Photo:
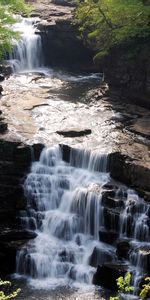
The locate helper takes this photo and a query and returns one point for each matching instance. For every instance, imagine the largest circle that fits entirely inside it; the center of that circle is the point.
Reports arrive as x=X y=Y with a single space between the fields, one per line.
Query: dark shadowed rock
x=2 y=77
x=15 y=160
x=74 y=132
x=1 y=89
x=71 y=3
x=107 y=274
x=37 y=149
x=111 y=219
x=66 y=150
x=108 y=237
x=99 y=257
x=5 y=70
x=3 y=127
x=123 y=248
x=15 y=235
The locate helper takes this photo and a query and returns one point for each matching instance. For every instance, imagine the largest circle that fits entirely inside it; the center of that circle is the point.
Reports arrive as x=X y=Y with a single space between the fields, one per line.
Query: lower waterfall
x=74 y=211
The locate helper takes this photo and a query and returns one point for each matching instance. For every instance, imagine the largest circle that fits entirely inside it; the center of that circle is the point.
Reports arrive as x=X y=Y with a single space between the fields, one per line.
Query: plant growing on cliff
x=7 y=9
x=105 y=24
x=124 y=286
x=145 y=292
x=3 y=296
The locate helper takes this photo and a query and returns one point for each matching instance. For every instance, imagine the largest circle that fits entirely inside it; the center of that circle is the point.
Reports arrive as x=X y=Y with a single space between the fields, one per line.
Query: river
x=66 y=204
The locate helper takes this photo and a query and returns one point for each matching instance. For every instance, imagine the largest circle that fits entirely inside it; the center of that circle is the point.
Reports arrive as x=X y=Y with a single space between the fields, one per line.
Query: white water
x=27 y=53
x=67 y=210
x=64 y=208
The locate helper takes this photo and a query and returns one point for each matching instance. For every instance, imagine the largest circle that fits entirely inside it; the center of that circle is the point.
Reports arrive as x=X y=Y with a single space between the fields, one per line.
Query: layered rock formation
x=15 y=160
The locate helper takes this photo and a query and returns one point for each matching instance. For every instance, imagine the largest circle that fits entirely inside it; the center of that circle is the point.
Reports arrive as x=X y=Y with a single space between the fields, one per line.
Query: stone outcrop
x=129 y=171
x=74 y=132
x=61 y=45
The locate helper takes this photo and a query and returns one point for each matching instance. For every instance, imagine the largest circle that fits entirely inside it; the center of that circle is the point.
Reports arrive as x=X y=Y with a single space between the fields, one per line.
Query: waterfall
x=27 y=52
x=80 y=219
x=64 y=204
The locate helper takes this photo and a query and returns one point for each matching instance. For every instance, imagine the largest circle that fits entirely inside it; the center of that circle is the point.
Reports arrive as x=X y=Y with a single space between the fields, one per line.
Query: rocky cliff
x=15 y=160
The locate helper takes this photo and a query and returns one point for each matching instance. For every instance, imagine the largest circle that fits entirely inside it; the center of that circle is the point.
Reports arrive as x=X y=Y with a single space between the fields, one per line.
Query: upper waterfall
x=27 y=52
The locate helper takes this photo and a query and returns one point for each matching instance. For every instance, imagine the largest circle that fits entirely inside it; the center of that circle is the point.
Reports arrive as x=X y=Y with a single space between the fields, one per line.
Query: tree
x=7 y=9
x=105 y=24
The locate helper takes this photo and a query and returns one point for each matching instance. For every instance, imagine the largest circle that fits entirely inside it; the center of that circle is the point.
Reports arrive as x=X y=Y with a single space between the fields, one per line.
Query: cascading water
x=64 y=209
x=27 y=52
x=76 y=212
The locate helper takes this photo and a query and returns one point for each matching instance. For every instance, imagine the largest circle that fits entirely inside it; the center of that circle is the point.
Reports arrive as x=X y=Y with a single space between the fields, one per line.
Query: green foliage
x=3 y=296
x=7 y=9
x=124 y=286
x=145 y=292
x=105 y=24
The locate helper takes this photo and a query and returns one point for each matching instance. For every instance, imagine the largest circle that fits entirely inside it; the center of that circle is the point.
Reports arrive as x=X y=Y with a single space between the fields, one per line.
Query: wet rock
x=123 y=248
x=74 y=132
x=107 y=274
x=108 y=237
x=99 y=257
x=111 y=200
x=3 y=127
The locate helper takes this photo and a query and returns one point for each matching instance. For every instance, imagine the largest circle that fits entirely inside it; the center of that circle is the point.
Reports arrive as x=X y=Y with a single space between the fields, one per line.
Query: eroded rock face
x=61 y=45
x=129 y=171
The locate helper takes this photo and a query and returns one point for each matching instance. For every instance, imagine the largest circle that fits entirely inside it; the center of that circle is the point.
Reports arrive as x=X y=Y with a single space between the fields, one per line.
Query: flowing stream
x=74 y=207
